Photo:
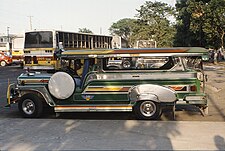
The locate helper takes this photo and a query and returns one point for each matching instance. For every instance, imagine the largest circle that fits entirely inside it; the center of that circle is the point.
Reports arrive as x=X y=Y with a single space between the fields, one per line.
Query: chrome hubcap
x=3 y=63
x=126 y=64
x=148 y=108
x=28 y=106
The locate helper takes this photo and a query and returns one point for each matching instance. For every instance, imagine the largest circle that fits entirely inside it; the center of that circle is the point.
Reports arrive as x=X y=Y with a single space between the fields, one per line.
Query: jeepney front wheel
x=147 y=110
x=30 y=106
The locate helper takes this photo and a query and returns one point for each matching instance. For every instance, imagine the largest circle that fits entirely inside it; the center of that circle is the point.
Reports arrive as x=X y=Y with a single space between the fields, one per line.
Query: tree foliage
x=156 y=16
x=151 y=23
x=123 y=27
x=200 y=23
x=84 y=30
x=214 y=23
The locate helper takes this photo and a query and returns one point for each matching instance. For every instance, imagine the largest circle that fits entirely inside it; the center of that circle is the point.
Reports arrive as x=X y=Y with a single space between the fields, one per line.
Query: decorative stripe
x=35 y=81
x=92 y=108
x=107 y=89
x=125 y=89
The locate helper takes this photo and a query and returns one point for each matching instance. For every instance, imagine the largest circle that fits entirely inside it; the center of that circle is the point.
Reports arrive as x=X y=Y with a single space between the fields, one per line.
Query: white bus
x=40 y=46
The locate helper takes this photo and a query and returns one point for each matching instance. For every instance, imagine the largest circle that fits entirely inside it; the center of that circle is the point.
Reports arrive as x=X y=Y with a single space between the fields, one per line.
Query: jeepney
x=142 y=81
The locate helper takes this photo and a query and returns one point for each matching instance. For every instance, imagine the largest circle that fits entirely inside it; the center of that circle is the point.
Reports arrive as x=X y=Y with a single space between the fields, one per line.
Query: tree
x=123 y=28
x=156 y=16
x=152 y=23
x=184 y=36
x=85 y=30
x=200 y=23
x=214 y=25
x=197 y=19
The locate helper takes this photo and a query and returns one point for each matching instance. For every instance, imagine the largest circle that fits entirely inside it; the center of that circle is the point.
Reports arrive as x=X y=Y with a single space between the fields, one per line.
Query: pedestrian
x=219 y=56
x=212 y=56
x=215 y=57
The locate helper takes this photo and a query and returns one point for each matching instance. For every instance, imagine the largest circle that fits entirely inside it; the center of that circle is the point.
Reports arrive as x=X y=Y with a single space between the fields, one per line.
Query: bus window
x=42 y=39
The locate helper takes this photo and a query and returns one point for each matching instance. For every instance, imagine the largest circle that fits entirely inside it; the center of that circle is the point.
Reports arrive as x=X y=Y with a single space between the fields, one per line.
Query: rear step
x=80 y=108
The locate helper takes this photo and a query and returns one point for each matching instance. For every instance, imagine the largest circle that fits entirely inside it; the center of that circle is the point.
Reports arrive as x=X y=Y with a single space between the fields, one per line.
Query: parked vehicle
x=17 y=50
x=5 y=59
x=40 y=46
x=100 y=81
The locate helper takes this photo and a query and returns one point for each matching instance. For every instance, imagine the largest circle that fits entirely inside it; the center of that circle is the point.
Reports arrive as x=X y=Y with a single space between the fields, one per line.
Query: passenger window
x=139 y=63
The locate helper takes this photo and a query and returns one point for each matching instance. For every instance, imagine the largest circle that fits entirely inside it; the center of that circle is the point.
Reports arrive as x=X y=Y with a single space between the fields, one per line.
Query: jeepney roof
x=129 y=52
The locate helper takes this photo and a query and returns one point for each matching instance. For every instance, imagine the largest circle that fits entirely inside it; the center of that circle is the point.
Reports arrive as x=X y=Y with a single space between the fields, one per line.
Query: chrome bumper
x=12 y=94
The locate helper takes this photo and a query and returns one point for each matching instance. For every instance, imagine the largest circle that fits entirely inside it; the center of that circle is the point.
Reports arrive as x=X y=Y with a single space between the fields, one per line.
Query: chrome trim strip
x=144 y=76
x=92 y=108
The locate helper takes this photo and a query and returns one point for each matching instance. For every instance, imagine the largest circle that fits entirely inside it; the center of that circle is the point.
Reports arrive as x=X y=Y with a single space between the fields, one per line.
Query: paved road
x=115 y=130
x=67 y=134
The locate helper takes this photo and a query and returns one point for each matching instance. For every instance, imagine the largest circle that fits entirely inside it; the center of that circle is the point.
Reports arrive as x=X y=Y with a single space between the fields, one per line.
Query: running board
x=127 y=108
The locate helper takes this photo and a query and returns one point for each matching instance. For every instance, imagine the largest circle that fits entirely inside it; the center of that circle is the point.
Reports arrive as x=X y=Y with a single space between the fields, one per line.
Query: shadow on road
x=67 y=134
x=219 y=141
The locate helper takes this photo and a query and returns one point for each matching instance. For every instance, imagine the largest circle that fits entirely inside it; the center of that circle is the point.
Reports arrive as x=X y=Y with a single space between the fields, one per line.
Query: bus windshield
x=43 y=39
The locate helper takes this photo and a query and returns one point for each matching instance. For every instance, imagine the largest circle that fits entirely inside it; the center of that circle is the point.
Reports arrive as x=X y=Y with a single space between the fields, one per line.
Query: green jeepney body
x=117 y=79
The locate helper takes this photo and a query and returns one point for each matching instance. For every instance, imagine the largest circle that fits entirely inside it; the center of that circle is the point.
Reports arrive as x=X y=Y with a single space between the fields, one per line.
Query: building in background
x=6 y=43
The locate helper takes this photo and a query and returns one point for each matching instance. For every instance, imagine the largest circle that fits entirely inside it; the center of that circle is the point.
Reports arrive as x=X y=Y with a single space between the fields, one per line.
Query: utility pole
x=8 y=47
x=30 y=21
x=100 y=30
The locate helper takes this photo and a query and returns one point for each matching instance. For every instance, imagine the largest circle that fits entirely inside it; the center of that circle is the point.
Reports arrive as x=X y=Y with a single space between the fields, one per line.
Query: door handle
x=136 y=76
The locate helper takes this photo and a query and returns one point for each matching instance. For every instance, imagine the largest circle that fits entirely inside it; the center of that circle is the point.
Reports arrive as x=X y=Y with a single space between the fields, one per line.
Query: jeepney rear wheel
x=147 y=110
x=30 y=106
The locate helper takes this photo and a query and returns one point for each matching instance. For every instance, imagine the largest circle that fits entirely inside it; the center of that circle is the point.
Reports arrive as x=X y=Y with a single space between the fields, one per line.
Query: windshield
x=193 y=63
x=42 y=39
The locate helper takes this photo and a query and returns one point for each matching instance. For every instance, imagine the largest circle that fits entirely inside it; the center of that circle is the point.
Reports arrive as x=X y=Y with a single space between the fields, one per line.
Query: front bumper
x=12 y=94
x=194 y=99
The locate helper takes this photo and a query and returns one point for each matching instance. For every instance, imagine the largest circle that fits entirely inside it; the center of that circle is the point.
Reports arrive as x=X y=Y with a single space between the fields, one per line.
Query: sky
x=68 y=15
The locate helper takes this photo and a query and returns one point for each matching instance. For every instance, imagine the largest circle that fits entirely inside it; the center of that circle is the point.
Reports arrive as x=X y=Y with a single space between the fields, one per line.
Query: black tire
x=30 y=105
x=147 y=110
